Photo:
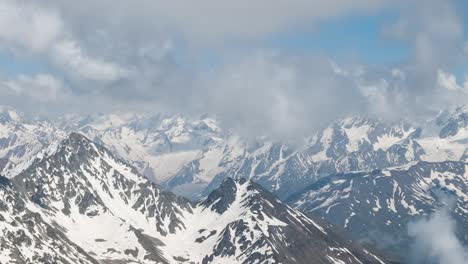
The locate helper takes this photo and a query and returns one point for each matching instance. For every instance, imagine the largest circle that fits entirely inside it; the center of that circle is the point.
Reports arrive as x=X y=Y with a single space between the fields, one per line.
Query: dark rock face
x=377 y=206
x=220 y=199
x=3 y=163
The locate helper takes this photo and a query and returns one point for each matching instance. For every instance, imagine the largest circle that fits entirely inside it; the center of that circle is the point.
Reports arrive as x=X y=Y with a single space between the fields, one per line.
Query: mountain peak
x=76 y=138
x=75 y=147
x=221 y=198
x=249 y=218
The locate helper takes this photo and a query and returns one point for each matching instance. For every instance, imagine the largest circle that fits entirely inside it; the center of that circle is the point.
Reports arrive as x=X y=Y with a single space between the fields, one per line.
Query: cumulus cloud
x=27 y=28
x=69 y=56
x=449 y=81
x=435 y=240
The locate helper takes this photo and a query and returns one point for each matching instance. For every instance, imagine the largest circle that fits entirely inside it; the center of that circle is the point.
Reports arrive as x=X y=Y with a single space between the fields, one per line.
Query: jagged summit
x=77 y=142
x=220 y=199
x=76 y=138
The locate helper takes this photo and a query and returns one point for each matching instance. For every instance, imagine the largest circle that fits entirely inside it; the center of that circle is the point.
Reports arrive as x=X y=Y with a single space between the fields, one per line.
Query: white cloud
x=434 y=30
x=67 y=54
x=41 y=87
x=449 y=81
x=435 y=240
x=398 y=73
x=283 y=97
x=24 y=27
x=146 y=52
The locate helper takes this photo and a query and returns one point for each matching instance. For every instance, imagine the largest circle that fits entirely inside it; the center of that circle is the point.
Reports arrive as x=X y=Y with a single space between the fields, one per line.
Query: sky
x=282 y=68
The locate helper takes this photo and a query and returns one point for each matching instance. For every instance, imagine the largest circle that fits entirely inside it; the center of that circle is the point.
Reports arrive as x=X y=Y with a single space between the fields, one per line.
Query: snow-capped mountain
x=349 y=145
x=158 y=145
x=191 y=156
x=161 y=146
x=446 y=136
x=79 y=203
x=377 y=206
x=99 y=201
x=20 y=139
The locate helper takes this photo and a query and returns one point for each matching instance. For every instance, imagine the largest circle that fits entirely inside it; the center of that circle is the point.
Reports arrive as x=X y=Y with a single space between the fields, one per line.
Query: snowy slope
x=450 y=140
x=26 y=238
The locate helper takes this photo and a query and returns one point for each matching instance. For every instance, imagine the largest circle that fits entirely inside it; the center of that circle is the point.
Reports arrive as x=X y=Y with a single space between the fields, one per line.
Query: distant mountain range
x=192 y=156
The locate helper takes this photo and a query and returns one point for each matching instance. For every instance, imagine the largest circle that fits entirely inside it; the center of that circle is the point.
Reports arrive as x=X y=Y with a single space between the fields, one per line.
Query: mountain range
x=78 y=203
x=191 y=156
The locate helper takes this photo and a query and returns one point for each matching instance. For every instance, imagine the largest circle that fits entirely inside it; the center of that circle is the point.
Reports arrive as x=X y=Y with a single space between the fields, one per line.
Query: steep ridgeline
x=377 y=206
x=77 y=203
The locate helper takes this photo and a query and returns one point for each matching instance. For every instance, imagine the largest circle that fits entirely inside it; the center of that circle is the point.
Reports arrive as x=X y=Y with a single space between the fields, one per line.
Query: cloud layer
x=144 y=55
x=435 y=241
